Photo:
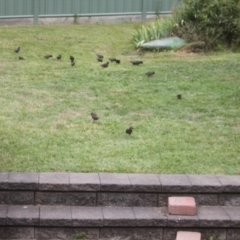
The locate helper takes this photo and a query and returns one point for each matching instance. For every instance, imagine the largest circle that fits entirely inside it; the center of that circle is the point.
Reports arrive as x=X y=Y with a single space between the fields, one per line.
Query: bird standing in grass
x=17 y=50
x=59 y=57
x=99 y=56
x=48 y=56
x=129 y=130
x=105 y=65
x=71 y=58
x=136 y=62
x=99 y=59
x=112 y=59
x=117 y=61
x=149 y=74
x=179 y=96
x=95 y=117
x=21 y=58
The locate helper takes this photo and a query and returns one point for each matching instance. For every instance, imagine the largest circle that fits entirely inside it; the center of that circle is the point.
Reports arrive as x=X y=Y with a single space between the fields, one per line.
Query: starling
x=47 y=56
x=95 y=117
x=105 y=65
x=117 y=61
x=136 y=62
x=112 y=59
x=17 y=50
x=129 y=130
x=59 y=57
x=71 y=58
x=149 y=74
x=99 y=55
x=21 y=58
x=72 y=63
x=100 y=59
x=179 y=96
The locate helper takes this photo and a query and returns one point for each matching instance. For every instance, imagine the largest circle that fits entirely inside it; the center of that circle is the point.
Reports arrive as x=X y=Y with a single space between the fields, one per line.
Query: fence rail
x=66 y=8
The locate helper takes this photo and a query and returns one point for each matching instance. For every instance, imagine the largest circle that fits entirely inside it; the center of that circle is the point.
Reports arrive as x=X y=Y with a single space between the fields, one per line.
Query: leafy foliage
x=161 y=28
x=216 y=22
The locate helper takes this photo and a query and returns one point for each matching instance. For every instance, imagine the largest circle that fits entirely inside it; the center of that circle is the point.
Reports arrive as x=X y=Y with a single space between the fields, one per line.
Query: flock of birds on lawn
x=100 y=57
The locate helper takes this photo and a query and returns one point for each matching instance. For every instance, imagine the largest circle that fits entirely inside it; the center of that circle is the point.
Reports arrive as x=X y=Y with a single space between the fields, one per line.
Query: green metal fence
x=65 y=8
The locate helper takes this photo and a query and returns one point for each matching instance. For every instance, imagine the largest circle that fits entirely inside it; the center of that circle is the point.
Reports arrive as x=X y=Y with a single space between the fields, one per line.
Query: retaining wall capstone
x=105 y=206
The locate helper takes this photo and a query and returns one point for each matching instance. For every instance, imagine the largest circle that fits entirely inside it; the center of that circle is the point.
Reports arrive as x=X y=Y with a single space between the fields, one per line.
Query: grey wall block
x=115 y=182
x=84 y=182
x=17 y=197
x=23 y=215
x=205 y=183
x=175 y=183
x=131 y=234
x=50 y=233
x=55 y=216
x=127 y=199
x=116 y=216
x=4 y=180
x=3 y=215
x=87 y=216
x=17 y=233
x=54 y=181
x=23 y=181
x=145 y=182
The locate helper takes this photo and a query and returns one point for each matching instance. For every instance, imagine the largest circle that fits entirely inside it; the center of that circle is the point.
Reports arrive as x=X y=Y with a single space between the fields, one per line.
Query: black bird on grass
x=17 y=50
x=149 y=74
x=99 y=55
x=129 y=130
x=95 y=117
x=99 y=59
x=21 y=58
x=59 y=57
x=112 y=59
x=71 y=58
x=179 y=96
x=136 y=62
x=117 y=61
x=105 y=65
x=48 y=56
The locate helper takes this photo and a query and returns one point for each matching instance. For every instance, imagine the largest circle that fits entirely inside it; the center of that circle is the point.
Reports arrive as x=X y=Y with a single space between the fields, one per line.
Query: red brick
x=188 y=236
x=182 y=206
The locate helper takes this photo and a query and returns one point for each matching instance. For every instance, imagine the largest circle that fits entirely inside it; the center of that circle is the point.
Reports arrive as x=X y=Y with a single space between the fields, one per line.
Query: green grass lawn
x=45 y=122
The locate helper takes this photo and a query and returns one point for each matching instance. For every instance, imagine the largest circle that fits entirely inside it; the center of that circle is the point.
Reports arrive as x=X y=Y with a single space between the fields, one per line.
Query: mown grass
x=45 y=122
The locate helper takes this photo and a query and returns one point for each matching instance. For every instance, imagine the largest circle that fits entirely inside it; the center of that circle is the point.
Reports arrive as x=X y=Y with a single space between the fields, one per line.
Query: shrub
x=216 y=22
